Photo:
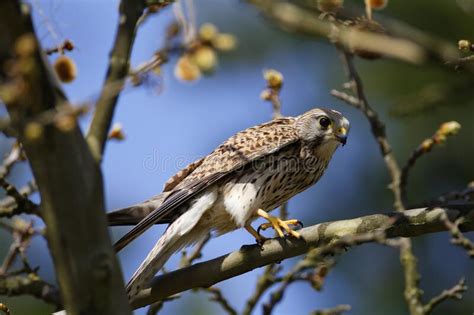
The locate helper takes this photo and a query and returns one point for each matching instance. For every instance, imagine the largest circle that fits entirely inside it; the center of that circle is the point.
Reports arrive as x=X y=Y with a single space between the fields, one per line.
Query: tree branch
x=291 y=17
x=31 y=285
x=453 y=293
x=408 y=224
x=439 y=137
x=69 y=179
x=337 y=310
x=412 y=291
x=378 y=128
x=457 y=237
x=130 y=13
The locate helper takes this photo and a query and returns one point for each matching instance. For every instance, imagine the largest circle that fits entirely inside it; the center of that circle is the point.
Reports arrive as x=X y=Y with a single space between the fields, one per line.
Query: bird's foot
x=279 y=225
x=260 y=239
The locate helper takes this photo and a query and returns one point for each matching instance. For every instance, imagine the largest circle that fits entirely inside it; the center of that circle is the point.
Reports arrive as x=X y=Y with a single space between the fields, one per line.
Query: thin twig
x=315 y=260
x=216 y=296
x=12 y=157
x=349 y=99
x=23 y=232
x=264 y=282
x=467 y=194
x=187 y=260
x=66 y=45
x=459 y=238
x=460 y=62
x=23 y=203
x=439 y=137
x=157 y=306
x=26 y=191
x=378 y=128
x=454 y=293
x=160 y=57
x=337 y=310
x=412 y=290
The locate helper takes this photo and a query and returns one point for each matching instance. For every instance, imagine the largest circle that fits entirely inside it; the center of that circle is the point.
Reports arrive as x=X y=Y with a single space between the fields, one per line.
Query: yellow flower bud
x=117 y=132
x=65 y=69
x=186 y=69
x=449 y=128
x=224 y=42
x=205 y=58
x=208 y=31
x=464 y=45
x=274 y=78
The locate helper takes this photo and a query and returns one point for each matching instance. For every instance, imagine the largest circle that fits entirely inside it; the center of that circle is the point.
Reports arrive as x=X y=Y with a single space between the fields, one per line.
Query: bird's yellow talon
x=260 y=239
x=278 y=225
x=264 y=226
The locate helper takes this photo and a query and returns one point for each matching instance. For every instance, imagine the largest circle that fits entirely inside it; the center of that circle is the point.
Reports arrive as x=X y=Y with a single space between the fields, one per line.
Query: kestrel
x=251 y=173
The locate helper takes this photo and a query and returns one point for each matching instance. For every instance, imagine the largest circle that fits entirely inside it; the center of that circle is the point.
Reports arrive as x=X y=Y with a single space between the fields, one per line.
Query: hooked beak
x=341 y=135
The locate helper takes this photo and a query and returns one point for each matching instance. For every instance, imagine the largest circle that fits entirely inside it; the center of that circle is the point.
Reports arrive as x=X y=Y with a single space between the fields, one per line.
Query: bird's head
x=323 y=126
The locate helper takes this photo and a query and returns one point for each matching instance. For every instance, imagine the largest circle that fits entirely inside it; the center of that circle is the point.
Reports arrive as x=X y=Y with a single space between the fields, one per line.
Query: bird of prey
x=251 y=173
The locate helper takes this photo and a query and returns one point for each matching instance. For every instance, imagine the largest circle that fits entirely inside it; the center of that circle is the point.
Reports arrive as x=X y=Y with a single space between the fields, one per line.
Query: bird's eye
x=324 y=122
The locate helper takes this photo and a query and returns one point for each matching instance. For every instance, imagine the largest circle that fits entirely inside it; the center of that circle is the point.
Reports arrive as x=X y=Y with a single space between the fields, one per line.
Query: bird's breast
x=264 y=184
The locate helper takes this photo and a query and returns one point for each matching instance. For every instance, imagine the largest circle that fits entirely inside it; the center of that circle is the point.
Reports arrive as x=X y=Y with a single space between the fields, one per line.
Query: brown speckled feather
x=243 y=147
x=239 y=150
x=174 y=180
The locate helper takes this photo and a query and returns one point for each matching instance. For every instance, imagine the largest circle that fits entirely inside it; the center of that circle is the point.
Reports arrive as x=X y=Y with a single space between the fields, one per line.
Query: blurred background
x=169 y=123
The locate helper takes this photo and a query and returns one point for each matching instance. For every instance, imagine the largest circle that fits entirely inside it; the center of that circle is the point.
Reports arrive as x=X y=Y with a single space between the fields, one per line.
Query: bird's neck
x=322 y=152
x=326 y=150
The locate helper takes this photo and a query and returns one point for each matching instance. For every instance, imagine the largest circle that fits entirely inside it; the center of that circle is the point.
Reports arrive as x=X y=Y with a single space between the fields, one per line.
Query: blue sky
x=186 y=121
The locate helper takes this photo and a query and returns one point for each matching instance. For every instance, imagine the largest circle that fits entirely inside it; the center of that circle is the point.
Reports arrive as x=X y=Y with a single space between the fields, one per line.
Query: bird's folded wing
x=171 y=203
x=237 y=152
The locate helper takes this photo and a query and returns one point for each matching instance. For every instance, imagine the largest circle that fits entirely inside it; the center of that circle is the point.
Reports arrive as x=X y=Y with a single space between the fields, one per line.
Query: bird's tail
x=157 y=258
x=134 y=214
x=185 y=230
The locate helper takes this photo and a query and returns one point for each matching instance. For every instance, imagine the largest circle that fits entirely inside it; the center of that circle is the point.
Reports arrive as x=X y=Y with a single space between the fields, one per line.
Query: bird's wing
x=235 y=153
x=134 y=214
x=176 y=179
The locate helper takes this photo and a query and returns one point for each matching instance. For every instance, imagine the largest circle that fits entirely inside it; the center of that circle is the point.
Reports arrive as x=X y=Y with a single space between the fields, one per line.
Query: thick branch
x=293 y=18
x=408 y=224
x=69 y=180
x=130 y=13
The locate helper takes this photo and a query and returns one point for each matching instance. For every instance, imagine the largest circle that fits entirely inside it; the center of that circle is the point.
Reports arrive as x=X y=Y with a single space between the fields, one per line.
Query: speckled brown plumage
x=258 y=168
x=242 y=148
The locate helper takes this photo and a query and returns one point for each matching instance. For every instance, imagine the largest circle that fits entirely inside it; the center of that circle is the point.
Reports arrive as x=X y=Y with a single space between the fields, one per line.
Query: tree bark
x=410 y=223
x=68 y=177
